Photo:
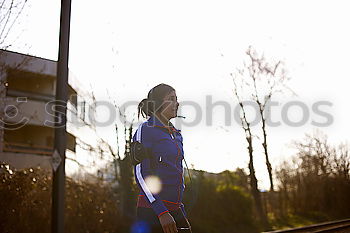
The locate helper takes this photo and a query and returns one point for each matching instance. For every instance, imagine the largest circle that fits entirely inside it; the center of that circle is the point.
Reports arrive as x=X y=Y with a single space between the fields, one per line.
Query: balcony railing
x=27 y=148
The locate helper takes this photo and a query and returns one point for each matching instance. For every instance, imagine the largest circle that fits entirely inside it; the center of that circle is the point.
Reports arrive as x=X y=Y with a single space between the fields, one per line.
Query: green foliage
x=219 y=206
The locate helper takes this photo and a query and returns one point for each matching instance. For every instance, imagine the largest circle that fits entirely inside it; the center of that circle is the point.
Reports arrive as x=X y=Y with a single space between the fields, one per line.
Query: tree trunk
x=254 y=187
x=264 y=144
x=126 y=180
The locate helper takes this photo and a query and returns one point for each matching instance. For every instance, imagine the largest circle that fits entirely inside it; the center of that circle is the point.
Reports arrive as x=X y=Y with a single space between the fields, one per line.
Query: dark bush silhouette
x=316 y=184
x=26 y=203
x=219 y=205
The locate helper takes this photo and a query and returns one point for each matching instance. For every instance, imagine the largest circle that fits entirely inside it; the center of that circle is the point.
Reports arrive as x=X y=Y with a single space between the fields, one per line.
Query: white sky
x=127 y=47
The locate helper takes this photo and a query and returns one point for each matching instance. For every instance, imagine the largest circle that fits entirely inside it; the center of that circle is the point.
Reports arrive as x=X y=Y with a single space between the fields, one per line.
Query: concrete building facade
x=27 y=92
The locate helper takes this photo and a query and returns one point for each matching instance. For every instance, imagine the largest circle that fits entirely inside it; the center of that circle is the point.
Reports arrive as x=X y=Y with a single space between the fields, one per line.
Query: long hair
x=153 y=103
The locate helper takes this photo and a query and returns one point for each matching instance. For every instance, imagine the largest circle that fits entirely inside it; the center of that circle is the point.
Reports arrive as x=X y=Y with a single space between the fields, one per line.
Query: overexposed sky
x=127 y=47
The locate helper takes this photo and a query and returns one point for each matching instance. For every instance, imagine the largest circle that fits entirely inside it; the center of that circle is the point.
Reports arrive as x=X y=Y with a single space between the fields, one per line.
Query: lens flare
x=141 y=227
x=154 y=184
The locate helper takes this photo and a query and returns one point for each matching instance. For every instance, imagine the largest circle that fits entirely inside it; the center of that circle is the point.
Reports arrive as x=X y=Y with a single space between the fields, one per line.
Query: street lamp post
x=58 y=181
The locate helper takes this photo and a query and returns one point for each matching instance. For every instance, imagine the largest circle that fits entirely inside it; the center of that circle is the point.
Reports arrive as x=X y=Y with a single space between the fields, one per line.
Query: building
x=27 y=89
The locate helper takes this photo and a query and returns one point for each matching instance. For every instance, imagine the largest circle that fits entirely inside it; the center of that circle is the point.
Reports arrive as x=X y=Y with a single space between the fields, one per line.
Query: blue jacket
x=165 y=163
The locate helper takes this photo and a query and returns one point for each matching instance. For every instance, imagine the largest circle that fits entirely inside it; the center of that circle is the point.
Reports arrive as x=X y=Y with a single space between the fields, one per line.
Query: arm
x=143 y=170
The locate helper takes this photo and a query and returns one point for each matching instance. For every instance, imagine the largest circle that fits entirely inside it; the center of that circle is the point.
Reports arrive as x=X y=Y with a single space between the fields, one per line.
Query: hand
x=168 y=223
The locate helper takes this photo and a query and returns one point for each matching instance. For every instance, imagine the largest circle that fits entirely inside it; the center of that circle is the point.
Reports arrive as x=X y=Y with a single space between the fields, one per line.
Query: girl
x=160 y=176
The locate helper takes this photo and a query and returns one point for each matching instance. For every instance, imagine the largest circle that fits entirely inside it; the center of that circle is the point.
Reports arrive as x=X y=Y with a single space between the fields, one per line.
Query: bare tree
x=249 y=138
x=316 y=179
x=263 y=79
x=258 y=81
x=10 y=11
x=122 y=165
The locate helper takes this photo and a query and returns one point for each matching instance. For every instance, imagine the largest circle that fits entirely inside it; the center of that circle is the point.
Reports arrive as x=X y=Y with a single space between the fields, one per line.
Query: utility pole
x=59 y=156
